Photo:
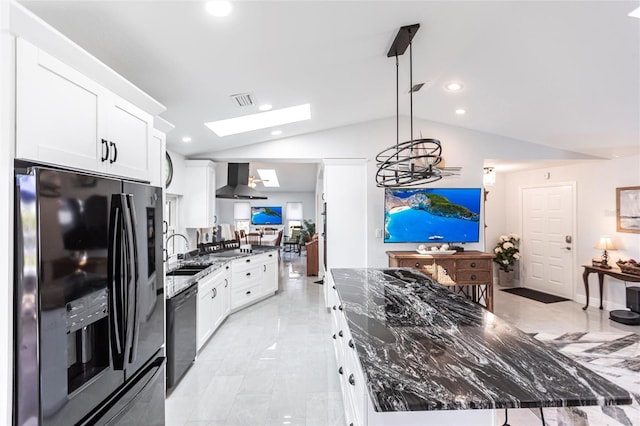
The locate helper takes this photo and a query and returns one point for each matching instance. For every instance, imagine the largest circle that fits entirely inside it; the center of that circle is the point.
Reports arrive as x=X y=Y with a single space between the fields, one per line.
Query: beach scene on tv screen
x=433 y=215
x=266 y=215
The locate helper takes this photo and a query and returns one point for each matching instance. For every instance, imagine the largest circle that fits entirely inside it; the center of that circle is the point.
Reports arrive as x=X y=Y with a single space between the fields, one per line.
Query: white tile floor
x=272 y=363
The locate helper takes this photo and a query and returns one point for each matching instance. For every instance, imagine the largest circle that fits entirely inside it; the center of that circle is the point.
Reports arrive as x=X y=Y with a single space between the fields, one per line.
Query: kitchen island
x=411 y=352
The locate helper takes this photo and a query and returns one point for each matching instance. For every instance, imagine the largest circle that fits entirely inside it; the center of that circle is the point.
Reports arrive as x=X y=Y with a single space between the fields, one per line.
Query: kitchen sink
x=187 y=270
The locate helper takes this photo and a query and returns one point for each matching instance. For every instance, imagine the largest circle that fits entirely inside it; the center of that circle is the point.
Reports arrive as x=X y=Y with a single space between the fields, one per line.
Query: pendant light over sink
x=414 y=162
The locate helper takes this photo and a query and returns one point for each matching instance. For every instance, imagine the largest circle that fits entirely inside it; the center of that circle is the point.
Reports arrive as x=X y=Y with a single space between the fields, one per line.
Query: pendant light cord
x=411 y=84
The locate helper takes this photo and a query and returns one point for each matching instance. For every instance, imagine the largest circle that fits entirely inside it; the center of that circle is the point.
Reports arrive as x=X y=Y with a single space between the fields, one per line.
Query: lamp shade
x=605 y=244
x=242 y=211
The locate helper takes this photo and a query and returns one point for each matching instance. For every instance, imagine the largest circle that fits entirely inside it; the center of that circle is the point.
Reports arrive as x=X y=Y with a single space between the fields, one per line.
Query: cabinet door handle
x=351 y=345
x=265 y=268
x=105 y=150
x=473 y=277
x=165 y=226
x=248 y=260
x=334 y=287
x=340 y=333
x=214 y=293
x=114 y=158
x=165 y=255
x=334 y=336
x=473 y=264
x=270 y=255
x=248 y=292
x=340 y=307
x=226 y=267
x=226 y=283
x=340 y=370
x=334 y=307
x=352 y=380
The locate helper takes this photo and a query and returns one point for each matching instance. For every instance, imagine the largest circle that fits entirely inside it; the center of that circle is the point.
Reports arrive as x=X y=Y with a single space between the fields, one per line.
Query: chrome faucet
x=166 y=244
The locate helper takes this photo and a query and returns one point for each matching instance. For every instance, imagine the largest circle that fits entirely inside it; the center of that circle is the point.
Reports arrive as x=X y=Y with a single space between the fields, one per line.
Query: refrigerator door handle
x=134 y=282
x=114 y=279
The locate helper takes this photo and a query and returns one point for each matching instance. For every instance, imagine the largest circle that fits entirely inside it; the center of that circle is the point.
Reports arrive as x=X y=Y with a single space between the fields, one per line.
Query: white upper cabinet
x=157 y=153
x=67 y=119
x=200 y=194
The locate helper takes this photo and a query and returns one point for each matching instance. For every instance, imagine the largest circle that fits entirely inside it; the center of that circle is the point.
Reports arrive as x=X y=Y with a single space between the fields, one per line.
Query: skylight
x=269 y=177
x=262 y=120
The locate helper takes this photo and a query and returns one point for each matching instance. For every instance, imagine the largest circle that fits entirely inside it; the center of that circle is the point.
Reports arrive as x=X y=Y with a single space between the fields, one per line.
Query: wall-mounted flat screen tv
x=432 y=215
x=266 y=215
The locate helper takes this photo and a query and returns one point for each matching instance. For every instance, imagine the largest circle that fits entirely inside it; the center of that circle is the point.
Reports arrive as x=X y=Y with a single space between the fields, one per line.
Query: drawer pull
x=340 y=307
x=248 y=274
x=473 y=277
x=351 y=345
x=334 y=287
x=334 y=307
x=352 y=380
x=248 y=292
x=417 y=265
x=473 y=264
x=340 y=333
x=248 y=260
x=334 y=336
x=340 y=370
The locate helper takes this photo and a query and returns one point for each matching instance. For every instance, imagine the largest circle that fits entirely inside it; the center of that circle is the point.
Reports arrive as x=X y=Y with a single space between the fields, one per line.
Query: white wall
x=596 y=183
x=224 y=207
x=461 y=147
x=7 y=138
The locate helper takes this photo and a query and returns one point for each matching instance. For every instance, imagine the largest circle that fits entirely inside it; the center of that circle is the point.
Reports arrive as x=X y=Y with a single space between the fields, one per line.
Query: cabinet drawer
x=245 y=263
x=473 y=264
x=423 y=265
x=246 y=277
x=240 y=297
x=470 y=276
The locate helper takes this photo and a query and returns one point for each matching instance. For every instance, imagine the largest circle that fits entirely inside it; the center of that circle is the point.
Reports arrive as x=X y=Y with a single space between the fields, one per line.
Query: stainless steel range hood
x=237 y=184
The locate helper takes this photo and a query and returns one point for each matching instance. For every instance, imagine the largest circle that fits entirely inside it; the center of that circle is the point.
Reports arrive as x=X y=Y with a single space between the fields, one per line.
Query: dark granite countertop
x=422 y=347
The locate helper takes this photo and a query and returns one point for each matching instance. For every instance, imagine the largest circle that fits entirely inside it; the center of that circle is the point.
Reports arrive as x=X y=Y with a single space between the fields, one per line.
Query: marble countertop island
x=423 y=348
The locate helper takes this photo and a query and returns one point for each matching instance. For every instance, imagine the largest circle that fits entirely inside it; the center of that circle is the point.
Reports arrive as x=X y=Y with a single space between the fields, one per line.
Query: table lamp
x=605 y=244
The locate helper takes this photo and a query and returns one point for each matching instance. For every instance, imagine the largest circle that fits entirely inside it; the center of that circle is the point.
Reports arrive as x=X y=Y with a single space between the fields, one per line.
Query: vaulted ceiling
x=557 y=73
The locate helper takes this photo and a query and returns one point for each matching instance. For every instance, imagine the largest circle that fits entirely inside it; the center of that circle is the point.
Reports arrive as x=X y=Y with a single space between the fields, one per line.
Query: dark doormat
x=535 y=295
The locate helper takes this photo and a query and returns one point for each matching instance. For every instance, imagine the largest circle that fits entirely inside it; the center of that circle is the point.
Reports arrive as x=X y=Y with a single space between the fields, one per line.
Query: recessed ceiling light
x=265 y=107
x=261 y=120
x=269 y=177
x=635 y=13
x=218 y=8
x=461 y=111
x=276 y=133
x=454 y=86
x=186 y=139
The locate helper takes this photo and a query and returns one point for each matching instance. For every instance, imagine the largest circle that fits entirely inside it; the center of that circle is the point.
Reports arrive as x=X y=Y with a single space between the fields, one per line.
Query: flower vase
x=505 y=278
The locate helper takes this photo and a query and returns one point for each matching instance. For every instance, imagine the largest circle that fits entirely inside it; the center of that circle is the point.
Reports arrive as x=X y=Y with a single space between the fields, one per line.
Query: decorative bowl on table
x=629 y=266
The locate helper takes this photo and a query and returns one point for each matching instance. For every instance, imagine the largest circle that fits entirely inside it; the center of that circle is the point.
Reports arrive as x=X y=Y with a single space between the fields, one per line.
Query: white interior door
x=547 y=239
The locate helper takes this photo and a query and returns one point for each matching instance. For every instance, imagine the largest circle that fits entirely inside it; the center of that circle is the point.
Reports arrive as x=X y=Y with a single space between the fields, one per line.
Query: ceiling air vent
x=242 y=99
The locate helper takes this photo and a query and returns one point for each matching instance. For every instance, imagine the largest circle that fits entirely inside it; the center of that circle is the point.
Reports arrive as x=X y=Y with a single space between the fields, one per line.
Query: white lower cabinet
x=232 y=287
x=211 y=304
x=270 y=272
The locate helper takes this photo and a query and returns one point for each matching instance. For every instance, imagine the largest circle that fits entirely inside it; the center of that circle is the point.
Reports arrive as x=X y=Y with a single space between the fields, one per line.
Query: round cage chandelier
x=413 y=162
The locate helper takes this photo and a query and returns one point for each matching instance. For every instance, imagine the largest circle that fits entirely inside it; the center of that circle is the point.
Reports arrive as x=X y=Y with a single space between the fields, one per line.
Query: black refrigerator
x=89 y=301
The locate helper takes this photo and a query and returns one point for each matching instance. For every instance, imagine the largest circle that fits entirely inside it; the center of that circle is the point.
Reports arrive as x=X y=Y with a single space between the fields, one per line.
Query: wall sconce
x=489 y=177
x=605 y=244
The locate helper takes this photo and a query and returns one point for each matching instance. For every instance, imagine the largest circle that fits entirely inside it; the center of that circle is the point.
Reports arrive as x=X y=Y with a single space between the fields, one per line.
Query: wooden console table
x=613 y=273
x=465 y=272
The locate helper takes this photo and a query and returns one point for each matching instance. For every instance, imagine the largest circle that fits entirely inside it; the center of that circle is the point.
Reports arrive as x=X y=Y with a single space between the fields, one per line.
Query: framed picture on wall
x=628 y=209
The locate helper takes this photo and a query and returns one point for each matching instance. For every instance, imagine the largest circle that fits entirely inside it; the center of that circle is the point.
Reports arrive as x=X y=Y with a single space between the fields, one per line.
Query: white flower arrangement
x=507 y=251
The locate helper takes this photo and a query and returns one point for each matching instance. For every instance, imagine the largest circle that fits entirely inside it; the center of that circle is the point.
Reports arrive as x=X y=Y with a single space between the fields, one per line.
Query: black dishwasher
x=181 y=333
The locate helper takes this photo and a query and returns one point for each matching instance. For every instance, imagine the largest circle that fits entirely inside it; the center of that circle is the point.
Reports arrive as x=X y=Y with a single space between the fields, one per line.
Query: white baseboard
x=594 y=302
